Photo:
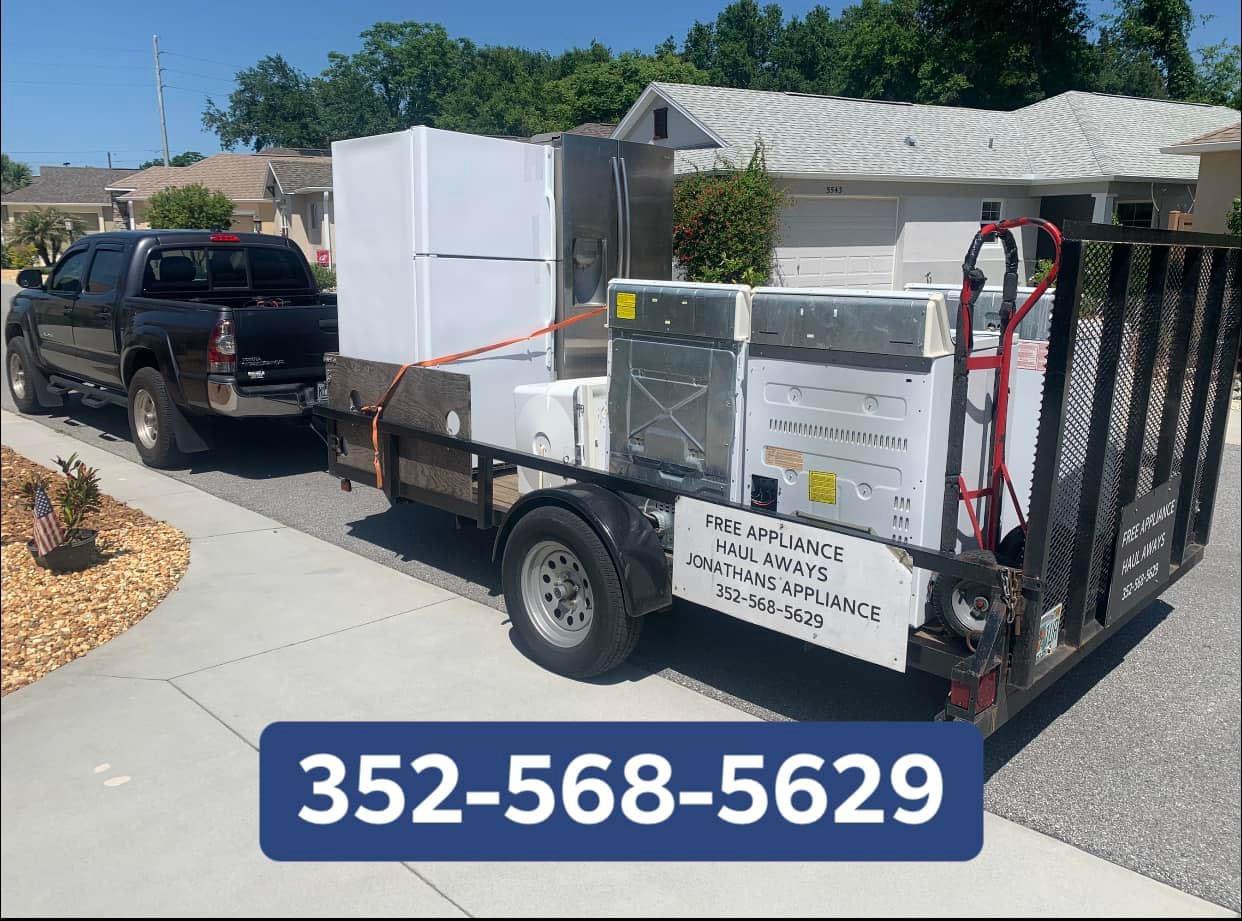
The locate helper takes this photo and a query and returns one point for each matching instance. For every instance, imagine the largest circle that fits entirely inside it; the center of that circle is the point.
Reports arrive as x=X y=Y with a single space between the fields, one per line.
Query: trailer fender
x=631 y=540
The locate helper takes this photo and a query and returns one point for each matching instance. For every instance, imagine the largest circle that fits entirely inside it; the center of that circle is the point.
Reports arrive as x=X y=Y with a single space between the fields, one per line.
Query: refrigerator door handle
x=625 y=182
x=621 y=215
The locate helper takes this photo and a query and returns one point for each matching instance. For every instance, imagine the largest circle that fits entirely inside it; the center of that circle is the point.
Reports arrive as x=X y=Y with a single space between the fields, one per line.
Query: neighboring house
x=591 y=129
x=248 y=180
x=302 y=190
x=1220 y=175
x=883 y=193
x=81 y=191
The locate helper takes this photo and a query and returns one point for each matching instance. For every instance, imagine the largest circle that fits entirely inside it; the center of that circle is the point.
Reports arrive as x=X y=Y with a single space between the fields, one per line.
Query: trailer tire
x=564 y=595
x=957 y=600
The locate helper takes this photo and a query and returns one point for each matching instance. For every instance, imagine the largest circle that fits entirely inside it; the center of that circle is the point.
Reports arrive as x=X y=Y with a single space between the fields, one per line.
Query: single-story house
x=885 y=193
x=81 y=191
x=1220 y=175
x=247 y=179
x=302 y=190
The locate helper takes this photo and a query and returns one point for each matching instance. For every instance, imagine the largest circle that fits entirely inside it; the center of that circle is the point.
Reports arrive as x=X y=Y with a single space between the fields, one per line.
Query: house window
x=990 y=211
x=316 y=215
x=1134 y=213
x=661 y=124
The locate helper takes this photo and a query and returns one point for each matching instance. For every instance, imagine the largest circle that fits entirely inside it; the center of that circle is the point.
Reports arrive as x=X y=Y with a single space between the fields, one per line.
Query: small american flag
x=48 y=534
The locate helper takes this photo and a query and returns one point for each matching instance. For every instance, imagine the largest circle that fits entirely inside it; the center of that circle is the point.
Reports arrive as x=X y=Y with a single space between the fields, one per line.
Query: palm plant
x=48 y=230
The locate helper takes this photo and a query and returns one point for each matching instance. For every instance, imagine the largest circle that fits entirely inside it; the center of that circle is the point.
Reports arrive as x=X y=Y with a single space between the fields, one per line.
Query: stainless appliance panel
x=673 y=309
x=855 y=323
x=615 y=202
x=672 y=413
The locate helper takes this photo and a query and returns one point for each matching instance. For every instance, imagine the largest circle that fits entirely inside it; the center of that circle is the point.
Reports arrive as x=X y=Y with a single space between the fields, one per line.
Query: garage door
x=837 y=242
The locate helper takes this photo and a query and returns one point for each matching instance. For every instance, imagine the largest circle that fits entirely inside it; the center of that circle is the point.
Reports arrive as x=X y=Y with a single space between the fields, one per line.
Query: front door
x=53 y=309
x=94 y=330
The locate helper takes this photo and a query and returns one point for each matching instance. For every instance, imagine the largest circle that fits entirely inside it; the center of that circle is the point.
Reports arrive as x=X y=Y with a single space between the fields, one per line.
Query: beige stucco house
x=277 y=191
x=80 y=191
x=1220 y=175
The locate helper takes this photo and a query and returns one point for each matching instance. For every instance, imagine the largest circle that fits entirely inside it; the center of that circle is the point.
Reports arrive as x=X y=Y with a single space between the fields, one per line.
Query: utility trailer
x=1138 y=370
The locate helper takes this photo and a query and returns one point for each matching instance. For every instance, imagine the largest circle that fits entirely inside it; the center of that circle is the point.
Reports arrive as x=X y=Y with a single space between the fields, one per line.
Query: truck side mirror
x=30 y=278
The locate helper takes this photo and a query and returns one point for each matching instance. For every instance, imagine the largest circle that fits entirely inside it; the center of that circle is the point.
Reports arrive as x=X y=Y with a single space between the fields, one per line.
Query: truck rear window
x=200 y=269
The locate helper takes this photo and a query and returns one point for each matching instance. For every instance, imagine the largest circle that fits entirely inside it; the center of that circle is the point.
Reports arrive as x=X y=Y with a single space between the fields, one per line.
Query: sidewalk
x=271 y=624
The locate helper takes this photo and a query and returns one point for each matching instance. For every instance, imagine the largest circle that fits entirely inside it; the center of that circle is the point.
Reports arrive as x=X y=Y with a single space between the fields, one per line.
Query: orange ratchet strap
x=376 y=409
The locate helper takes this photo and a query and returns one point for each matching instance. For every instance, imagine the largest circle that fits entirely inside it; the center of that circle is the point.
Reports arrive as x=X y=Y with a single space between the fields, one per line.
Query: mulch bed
x=50 y=619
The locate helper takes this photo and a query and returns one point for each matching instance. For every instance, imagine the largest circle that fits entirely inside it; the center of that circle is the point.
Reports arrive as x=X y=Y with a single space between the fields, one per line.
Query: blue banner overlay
x=621 y=791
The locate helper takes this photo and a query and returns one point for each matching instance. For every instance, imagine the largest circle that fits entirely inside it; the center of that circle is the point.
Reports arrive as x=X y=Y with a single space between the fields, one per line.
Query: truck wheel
x=964 y=605
x=564 y=595
x=17 y=366
x=151 y=419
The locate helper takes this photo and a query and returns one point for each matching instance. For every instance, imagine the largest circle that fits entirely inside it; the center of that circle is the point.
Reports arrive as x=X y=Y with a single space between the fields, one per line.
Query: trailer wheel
x=964 y=605
x=564 y=595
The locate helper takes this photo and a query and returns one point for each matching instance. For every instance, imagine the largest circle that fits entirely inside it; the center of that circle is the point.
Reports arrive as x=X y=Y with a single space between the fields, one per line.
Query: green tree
x=504 y=91
x=604 y=91
x=191 y=207
x=185 y=158
x=1155 y=31
x=806 y=54
x=1220 y=75
x=274 y=104
x=13 y=174
x=48 y=230
x=736 y=49
x=411 y=66
x=881 y=51
x=1001 y=54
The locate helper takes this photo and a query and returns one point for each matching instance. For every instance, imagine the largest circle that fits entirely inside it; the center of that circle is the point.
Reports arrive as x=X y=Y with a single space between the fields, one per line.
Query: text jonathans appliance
x=677 y=363
x=847 y=412
x=565 y=421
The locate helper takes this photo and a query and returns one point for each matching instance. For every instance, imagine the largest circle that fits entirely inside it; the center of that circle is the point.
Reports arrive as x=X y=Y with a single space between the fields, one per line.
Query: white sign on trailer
x=834 y=590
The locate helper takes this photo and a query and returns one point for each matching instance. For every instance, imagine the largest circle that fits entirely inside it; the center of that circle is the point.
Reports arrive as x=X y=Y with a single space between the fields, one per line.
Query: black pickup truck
x=176 y=325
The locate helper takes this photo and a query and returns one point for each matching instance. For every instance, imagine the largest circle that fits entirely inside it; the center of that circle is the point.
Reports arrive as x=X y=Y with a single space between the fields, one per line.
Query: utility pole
x=109 y=159
x=159 y=93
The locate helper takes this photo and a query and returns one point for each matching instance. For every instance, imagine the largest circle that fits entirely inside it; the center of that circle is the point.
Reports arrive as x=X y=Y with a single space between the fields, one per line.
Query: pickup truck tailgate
x=278 y=344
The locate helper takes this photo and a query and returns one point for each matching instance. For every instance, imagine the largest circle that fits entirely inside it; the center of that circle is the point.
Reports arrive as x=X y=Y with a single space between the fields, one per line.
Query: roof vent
x=910 y=141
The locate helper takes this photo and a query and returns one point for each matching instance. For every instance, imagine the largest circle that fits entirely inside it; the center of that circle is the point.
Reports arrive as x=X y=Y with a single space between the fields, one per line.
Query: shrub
x=1042 y=268
x=1234 y=221
x=724 y=223
x=325 y=278
x=191 y=207
x=75 y=498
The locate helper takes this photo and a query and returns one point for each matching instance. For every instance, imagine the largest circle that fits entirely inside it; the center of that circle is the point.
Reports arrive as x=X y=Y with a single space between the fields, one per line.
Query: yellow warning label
x=782 y=457
x=625 y=305
x=821 y=486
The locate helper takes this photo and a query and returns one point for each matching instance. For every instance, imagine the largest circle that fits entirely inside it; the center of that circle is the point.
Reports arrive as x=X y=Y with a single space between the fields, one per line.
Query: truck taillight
x=222 y=349
x=225 y=238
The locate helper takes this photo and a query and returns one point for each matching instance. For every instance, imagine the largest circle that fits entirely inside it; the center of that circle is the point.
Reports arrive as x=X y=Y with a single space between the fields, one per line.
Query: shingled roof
x=302 y=173
x=242 y=177
x=1071 y=136
x=69 y=185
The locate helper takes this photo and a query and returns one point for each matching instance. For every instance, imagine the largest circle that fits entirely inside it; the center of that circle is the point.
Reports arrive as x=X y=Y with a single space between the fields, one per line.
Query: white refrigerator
x=447 y=242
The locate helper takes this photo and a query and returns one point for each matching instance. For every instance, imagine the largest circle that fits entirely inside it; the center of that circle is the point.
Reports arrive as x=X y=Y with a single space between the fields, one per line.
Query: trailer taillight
x=959 y=692
x=222 y=349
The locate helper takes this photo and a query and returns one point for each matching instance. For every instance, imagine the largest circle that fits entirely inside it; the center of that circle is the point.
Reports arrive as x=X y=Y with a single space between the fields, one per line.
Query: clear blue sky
x=91 y=88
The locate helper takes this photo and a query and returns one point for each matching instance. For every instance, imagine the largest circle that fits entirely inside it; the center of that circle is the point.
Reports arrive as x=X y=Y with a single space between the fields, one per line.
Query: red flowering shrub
x=724 y=223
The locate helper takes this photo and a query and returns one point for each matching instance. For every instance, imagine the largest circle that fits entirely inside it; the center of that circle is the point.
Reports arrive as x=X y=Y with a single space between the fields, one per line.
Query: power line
x=206 y=60
x=190 y=73
x=70 y=83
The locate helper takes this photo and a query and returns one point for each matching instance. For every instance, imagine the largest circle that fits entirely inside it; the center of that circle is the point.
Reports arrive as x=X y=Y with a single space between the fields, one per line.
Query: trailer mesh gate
x=1144 y=337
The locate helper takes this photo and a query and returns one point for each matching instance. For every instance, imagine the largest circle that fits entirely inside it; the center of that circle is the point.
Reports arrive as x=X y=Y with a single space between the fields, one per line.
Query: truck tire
x=964 y=605
x=151 y=419
x=564 y=595
x=17 y=366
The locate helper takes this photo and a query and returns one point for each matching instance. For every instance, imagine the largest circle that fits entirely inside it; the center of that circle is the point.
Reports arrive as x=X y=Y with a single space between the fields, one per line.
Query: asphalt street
x=1133 y=756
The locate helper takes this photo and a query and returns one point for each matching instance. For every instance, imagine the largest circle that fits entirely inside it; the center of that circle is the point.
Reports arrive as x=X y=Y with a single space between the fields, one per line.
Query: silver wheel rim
x=146 y=423
x=557 y=594
x=17 y=376
x=965 y=611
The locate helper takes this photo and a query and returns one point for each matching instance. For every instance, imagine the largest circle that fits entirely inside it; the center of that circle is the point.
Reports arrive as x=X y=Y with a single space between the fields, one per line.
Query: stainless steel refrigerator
x=615 y=220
